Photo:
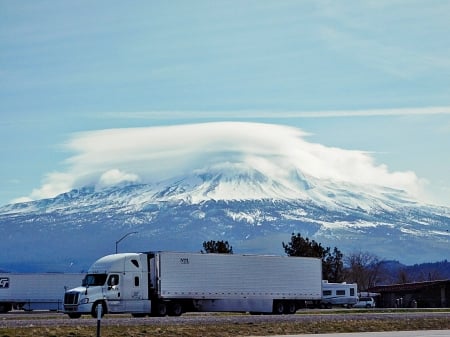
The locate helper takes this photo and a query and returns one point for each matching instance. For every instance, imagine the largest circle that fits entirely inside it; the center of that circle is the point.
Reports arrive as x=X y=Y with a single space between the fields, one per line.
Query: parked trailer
x=170 y=283
x=35 y=291
x=341 y=294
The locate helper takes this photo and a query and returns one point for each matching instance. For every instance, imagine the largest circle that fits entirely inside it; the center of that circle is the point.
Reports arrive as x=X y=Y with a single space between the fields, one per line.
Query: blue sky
x=371 y=76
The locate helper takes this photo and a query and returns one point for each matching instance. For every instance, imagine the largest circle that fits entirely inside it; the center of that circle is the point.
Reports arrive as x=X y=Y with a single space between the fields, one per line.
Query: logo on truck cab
x=4 y=282
x=184 y=260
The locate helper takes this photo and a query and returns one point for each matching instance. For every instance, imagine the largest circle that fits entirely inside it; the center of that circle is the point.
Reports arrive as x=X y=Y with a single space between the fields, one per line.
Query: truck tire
x=95 y=308
x=74 y=315
x=290 y=308
x=161 y=309
x=176 y=309
x=5 y=307
x=278 y=307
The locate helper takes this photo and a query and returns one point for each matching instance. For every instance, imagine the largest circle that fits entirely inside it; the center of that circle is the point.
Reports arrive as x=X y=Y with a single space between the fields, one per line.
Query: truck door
x=113 y=287
x=133 y=293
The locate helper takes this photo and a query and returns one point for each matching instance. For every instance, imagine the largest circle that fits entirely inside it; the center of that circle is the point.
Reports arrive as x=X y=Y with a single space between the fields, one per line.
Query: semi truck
x=339 y=294
x=35 y=291
x=171 y=283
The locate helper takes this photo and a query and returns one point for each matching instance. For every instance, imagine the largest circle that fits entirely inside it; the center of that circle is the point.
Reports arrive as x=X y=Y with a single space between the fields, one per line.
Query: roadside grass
x=235 y=329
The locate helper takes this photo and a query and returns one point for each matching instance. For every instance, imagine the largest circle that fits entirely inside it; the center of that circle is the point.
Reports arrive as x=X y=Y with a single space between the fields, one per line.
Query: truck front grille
x=71 y=298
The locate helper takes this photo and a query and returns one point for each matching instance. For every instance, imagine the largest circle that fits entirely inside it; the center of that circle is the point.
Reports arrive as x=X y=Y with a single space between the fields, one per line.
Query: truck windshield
x=94 y=280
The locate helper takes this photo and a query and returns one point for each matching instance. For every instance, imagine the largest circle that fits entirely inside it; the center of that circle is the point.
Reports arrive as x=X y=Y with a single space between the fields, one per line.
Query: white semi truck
x=170 y=283
x=35 y=291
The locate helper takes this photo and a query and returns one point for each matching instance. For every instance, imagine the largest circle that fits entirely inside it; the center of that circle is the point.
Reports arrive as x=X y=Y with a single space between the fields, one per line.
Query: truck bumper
x=78 y=308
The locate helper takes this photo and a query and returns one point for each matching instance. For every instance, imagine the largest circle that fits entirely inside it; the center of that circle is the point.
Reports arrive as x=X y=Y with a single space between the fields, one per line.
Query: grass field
x=234 y=329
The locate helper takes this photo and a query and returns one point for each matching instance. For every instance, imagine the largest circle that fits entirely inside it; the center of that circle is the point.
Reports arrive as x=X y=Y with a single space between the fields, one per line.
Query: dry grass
x=228 y=330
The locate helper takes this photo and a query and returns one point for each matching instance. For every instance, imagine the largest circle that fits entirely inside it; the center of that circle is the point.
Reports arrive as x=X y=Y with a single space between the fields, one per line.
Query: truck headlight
x=84 y=301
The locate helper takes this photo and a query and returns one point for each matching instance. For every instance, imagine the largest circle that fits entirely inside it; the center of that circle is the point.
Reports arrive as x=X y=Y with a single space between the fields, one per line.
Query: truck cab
x=119 y=283
x=171 y=283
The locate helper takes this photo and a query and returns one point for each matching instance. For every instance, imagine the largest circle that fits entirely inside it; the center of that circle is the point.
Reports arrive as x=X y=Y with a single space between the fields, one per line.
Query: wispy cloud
x=280 y=114
x=108 y=157
x=391 y=59
x=397 y=39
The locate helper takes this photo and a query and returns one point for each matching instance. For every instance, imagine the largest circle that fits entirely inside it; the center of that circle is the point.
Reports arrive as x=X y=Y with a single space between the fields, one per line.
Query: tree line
x=363 y=268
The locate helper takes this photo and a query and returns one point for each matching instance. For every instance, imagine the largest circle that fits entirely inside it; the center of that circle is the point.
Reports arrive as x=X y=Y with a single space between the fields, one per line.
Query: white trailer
x=161 y=283
x=35 y=291
x=341 y=294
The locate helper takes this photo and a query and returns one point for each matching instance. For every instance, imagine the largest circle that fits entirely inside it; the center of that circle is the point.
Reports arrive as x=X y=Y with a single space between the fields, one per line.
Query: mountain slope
x=253 y=211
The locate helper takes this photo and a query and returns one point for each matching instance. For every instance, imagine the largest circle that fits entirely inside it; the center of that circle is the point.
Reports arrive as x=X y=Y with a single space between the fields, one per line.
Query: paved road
x=421 y=333
x=58 y=319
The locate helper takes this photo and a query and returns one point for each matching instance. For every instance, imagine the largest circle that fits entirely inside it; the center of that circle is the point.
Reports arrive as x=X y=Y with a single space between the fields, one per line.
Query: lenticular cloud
x=146 y=155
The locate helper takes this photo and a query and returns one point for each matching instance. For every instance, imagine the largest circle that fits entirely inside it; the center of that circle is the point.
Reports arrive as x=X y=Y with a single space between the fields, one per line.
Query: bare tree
x=403 y=276
x=363 y=268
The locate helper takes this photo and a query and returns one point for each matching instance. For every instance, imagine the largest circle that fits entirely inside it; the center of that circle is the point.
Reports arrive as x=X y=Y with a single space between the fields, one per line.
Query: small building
x=428 y=294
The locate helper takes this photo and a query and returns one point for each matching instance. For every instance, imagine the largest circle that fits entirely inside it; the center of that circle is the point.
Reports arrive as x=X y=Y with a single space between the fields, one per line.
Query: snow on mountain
x=249 y=183
x=253 y=211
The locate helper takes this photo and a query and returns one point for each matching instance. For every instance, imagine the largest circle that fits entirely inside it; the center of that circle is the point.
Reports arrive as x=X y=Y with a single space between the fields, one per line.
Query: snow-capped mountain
x=253 y=211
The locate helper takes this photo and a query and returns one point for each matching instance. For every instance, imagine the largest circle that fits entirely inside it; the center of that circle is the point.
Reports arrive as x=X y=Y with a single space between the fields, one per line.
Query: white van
x=365 y=302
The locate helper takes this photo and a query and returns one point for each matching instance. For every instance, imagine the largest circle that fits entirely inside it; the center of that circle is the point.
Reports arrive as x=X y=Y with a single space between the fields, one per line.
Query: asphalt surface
x=421 y=333
x=48 y=319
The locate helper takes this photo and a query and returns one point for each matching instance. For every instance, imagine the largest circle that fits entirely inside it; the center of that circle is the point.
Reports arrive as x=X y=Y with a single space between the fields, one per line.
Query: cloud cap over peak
x=152 y=154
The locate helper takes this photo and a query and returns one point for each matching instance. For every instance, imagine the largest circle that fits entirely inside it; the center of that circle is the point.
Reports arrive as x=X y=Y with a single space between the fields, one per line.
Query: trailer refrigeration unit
x=170 y=283
x=35 y=291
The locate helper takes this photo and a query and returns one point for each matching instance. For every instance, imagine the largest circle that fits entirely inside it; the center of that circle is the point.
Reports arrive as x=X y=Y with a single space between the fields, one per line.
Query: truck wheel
x=95 y=309
x=161 y=309
x=278 y=308
x=74 y=315
x=176 y=309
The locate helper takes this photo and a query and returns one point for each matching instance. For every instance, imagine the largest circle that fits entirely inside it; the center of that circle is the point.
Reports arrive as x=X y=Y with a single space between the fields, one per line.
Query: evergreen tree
x=221 y=247
x=332 y=265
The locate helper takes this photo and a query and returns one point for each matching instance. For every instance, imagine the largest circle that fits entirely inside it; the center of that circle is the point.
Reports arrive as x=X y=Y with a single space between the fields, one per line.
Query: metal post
x=123 y=237
x=99 y=318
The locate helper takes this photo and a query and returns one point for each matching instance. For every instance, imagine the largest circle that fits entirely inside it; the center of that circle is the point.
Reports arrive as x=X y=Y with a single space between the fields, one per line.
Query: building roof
x=415 y=286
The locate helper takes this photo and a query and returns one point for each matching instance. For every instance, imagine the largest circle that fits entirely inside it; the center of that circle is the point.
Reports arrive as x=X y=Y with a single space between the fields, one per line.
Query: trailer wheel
x=95 y=309
x=325 y=305
x=278 y=308
x=5 y=307
x=176 y=309
x=291 y=308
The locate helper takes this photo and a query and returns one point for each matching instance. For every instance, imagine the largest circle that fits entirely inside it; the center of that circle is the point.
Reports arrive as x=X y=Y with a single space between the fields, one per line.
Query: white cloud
x=279 y=114
x=151 y=154
x=54 y=183
x=114 y=177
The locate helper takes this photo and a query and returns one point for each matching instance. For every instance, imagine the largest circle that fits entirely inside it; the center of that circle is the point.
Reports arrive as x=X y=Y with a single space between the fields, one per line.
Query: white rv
x=339 y=294
x=35 y=291
x=170 y=283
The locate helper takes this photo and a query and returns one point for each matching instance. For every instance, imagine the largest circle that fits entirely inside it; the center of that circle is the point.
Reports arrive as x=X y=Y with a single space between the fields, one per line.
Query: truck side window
x=113 y=280
x=136 y=281
x=352 y=291
x=135 y=262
